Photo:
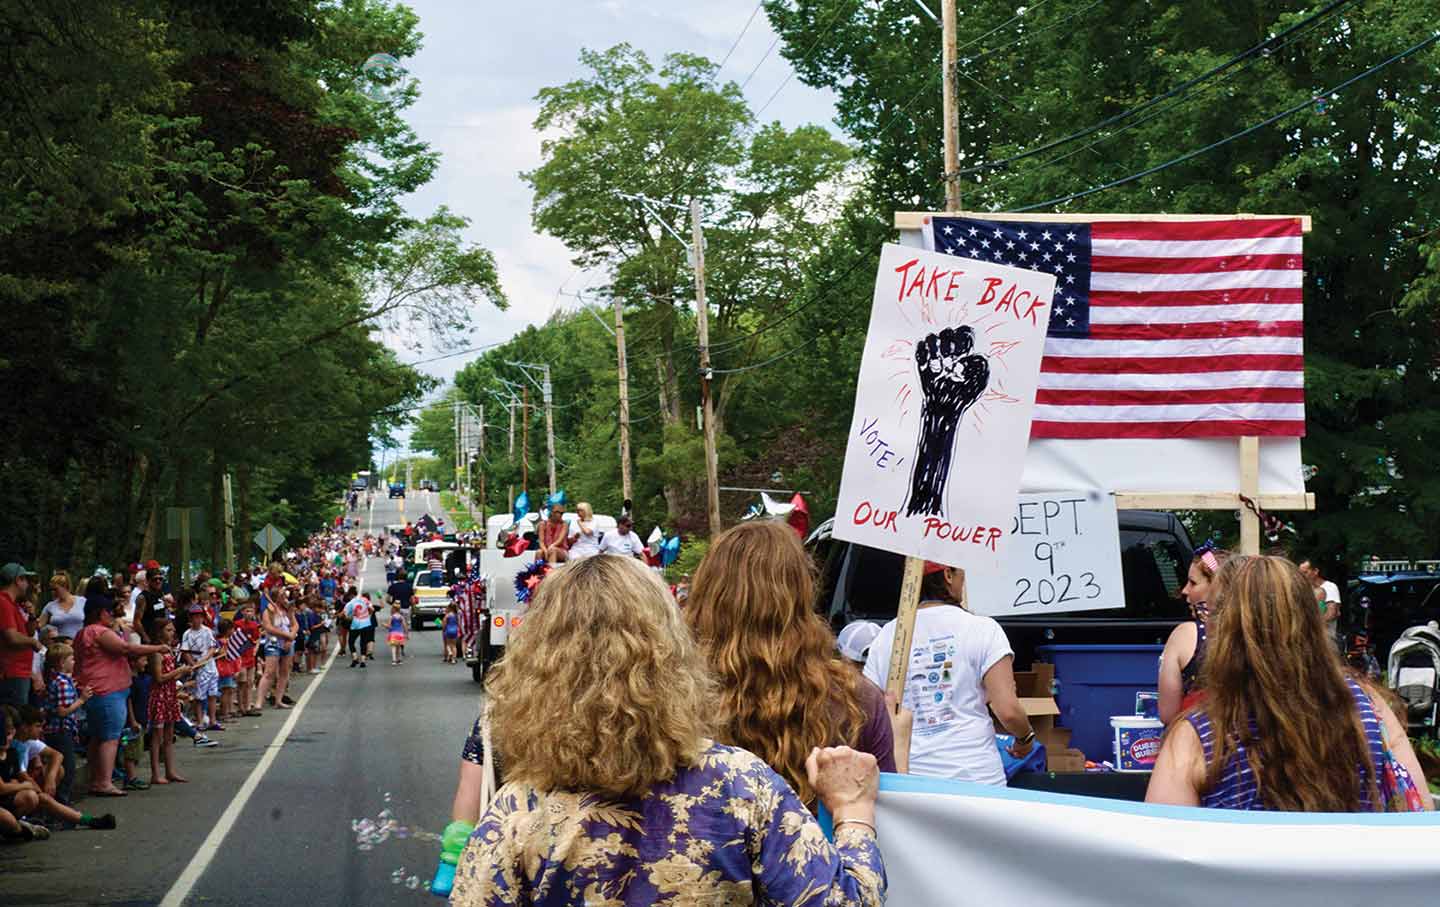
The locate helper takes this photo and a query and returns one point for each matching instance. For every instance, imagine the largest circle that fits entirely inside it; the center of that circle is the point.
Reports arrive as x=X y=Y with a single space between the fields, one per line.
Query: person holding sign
x=960 y=663
x=782 y=690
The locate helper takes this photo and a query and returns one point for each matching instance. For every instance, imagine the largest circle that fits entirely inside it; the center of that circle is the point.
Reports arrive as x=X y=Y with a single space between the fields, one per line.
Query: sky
x=482 y=63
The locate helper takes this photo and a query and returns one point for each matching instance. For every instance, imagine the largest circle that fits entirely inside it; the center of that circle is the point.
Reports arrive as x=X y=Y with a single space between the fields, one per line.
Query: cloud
x=479 y=70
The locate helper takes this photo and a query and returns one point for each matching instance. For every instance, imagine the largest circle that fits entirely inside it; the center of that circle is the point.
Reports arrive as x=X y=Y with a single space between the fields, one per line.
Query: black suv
x=862 y=583
x=1384 y=605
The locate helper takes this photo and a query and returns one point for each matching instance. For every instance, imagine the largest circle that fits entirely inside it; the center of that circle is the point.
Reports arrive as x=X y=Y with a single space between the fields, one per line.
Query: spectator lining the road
x=649 y=809
x=104 y=660
x=164 y=707
x=17 y=645
x=782 y=687
x=276 y=649
x=21 y=797
x=62 y=700
x=199 y=649
x=1283 y=726
x=66 y=611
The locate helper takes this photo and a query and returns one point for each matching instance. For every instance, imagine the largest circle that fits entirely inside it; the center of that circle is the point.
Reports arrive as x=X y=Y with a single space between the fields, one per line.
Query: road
x=362 y=742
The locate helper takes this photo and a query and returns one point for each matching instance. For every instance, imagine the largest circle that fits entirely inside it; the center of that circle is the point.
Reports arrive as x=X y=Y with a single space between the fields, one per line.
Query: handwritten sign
x=1063 y=555
x=942 y=407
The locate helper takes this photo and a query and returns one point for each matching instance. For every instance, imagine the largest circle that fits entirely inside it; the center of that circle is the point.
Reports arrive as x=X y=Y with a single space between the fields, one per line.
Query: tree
x=674 y=134
x=1360 y=161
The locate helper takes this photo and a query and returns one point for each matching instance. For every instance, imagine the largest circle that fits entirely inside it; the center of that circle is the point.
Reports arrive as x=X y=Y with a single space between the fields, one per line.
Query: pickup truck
x=862 y=583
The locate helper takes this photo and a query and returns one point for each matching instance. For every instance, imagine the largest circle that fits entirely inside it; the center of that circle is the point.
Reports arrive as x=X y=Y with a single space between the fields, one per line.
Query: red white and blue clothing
x=1238 y=788
x=61 y=693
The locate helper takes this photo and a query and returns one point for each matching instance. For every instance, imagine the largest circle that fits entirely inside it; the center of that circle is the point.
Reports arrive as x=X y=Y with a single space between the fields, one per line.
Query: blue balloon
x=556 y=498
x=522 y=506
x=670 y=551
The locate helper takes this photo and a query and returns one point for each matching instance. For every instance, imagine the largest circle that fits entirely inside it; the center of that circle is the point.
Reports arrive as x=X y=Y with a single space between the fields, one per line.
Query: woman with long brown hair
x=1184 y=655
x=783 y=689
x=1283 y=727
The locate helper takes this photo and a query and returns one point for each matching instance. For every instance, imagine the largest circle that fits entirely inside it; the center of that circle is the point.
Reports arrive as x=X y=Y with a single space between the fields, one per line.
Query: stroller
x=1415 y=674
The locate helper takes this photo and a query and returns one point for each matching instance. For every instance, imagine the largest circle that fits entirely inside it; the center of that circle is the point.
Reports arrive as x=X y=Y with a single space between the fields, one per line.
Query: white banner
x=1063 y=556
x=942 y=407
x=952 y=842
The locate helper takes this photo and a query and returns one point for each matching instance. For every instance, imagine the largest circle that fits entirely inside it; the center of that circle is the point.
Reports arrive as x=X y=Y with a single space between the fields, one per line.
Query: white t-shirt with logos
x=954 y=735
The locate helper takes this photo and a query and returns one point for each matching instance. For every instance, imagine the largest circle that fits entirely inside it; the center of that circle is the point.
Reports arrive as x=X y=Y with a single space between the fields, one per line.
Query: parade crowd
x=118 y=664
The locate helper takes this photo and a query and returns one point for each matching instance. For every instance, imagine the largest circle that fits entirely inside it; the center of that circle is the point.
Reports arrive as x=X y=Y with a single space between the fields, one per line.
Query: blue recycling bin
x=1096 y=682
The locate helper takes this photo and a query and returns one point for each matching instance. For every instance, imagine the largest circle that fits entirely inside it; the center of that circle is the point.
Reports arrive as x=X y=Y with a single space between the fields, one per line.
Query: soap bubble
x=412 y=883
x=383 y=78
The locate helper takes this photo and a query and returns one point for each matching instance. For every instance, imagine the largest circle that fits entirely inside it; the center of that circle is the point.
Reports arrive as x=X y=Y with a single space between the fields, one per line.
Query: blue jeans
x=106 y=715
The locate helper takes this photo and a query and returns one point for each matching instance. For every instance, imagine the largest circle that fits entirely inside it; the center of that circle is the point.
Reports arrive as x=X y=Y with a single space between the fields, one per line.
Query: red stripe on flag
x=1247 y=296
x=1170 y=365
x=1233 y=228
x=1136 y=264
x=1193 y=429
x=1221 y=395
x=1197 y=330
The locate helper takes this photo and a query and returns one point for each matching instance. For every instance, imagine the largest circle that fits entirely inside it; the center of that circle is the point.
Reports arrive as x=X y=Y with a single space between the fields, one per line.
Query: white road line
x=178 y=892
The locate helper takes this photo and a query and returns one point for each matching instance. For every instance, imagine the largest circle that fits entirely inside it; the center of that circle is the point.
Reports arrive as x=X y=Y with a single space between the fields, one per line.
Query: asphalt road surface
x=377 y=744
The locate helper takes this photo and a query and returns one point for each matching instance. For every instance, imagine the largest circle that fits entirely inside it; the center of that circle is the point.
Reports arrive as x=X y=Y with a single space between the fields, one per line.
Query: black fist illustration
x=952 y=379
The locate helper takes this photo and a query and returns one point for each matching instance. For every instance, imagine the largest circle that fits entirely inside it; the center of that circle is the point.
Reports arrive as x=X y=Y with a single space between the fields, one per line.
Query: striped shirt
x=1238 y=788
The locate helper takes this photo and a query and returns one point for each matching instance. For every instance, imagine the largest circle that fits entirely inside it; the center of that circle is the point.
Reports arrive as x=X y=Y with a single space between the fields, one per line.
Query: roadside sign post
x=269 y=539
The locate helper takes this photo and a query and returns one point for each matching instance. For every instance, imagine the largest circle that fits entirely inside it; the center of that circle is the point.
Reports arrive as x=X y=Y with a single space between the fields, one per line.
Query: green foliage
x=1361 y=163
x=203 y=230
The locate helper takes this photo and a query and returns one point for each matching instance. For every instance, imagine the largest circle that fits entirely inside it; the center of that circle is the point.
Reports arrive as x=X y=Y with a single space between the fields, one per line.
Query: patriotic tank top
x=1237 y=787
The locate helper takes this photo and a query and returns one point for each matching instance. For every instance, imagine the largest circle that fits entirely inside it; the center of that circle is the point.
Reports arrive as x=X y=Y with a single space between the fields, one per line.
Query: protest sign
x=1063 y=555
x=953 y=842
x=942 y=407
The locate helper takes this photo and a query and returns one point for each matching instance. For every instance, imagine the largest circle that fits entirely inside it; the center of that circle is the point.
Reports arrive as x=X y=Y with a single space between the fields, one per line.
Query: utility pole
x=481 y=450
x=525 y=439
x=547 y=390
x=623 y=371
x=702 y=324
x=229 y=524
x=950 y=62
x=510 y=501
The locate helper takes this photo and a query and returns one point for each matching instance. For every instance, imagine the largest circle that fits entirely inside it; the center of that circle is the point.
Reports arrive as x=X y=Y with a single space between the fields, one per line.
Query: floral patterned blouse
x=726 y=831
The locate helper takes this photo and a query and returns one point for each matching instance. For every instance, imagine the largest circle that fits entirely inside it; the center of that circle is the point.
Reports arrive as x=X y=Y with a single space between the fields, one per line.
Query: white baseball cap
x=854 y=641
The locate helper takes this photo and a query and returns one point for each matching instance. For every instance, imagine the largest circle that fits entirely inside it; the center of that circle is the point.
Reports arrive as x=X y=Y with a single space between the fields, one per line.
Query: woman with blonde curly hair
x=614 y=790
x=1282 y=727
x=783 y=686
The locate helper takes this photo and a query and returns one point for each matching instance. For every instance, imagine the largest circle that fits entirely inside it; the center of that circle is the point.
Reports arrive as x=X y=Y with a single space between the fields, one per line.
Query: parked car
x=862 y=583
x=397 y=489
x=1381 y=606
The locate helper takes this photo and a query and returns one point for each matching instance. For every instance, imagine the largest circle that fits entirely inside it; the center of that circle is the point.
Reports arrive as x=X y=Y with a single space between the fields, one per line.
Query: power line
x=827 y=29
x=753 y=13
x=767 y=362
x=1414 y=49
x=1268 y=43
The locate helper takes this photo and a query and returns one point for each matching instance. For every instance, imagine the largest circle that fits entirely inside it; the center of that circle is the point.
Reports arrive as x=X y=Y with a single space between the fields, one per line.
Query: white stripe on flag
x=1124 y=282
x=1193 y=314
x=1188 y=412
x=1217 y=346
x=1180 y=382
x=1196 y=248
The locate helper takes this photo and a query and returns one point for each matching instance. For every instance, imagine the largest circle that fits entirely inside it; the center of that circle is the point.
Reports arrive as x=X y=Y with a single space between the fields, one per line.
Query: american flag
x=237 y=644
x=469 y=596
x=1159 y=329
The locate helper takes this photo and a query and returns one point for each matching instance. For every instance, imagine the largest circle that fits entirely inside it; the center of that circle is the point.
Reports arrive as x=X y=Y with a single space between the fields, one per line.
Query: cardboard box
x=1064 y=760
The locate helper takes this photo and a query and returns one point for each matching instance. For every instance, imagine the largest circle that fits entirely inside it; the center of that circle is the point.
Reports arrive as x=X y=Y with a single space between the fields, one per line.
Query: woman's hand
x=845 y=780
x=1021 y=750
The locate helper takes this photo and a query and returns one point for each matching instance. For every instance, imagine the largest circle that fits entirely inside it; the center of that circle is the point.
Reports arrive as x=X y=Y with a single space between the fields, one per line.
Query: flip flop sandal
x=137 y=784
